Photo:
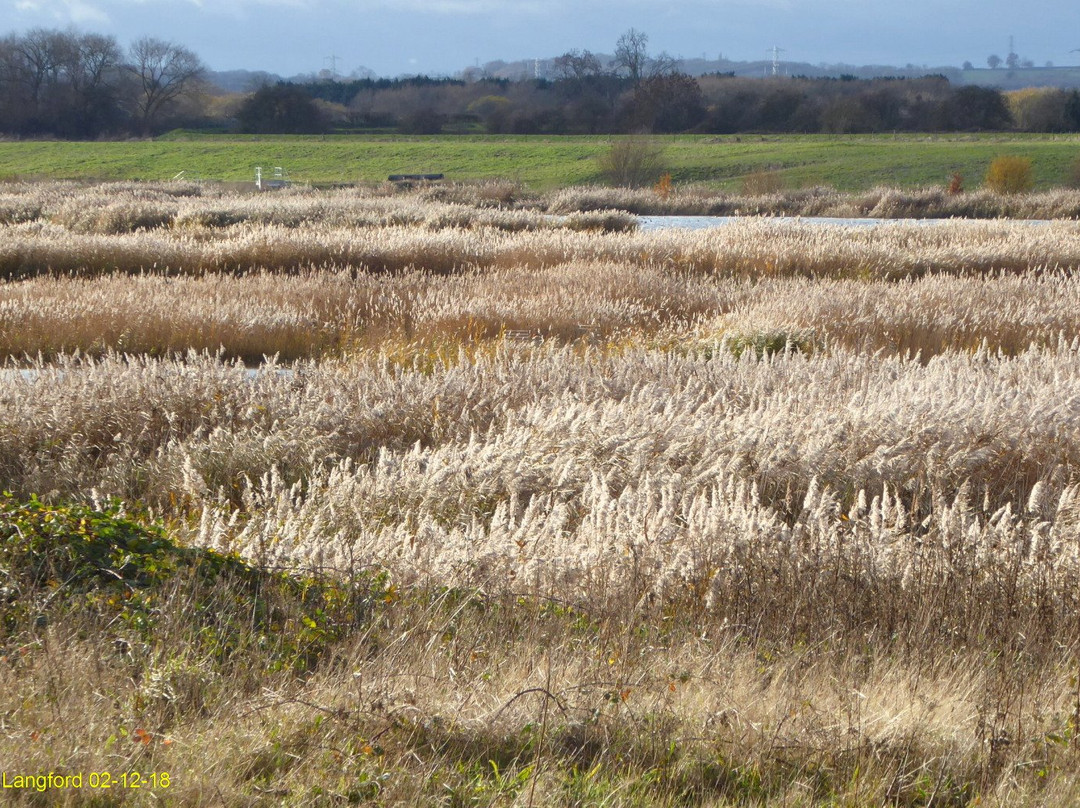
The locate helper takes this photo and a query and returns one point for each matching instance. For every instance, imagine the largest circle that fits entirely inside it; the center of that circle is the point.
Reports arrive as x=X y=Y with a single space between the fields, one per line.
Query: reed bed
x=129 y=207
x=315 y=314
x=844 y=569
x=762 y=515
x=59 y=229
x=81 y=205
x=918 y=317
x=877 y=203
x=604 y=465
x=752 y=248
x=324 y=314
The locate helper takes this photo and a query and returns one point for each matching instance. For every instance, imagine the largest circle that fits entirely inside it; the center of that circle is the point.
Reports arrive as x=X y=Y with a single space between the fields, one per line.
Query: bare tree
x=14 y=102
x=96 y=57
x=58 y=82
x=663 y=64
x=93 y=73
x=577 y=65
x=631 y=53
x=42 y=53
x=164 y=72
x=9 y=63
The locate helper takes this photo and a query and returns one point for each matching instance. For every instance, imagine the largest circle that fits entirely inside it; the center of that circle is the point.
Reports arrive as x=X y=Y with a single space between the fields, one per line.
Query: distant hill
x=1005 y=79
x=242 y=81
x=697 y=66
x=1002 y=78
x=245 y=81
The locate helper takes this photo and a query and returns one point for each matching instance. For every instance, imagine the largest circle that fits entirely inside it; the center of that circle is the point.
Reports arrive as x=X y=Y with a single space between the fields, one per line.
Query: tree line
x=665 y=102
x=72 y=85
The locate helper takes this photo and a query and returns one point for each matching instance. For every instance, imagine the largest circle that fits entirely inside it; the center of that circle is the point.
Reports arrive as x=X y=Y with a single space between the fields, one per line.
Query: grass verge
x=850 y=162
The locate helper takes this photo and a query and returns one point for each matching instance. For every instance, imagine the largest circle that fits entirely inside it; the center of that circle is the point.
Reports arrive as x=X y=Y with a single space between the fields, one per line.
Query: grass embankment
x=846 y=162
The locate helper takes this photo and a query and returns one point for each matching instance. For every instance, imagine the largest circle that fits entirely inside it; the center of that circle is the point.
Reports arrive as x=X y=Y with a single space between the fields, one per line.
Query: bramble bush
x=71 y=559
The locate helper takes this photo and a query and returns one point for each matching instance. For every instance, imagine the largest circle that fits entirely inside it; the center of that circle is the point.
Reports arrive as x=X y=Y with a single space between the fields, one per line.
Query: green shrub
x=769 y=343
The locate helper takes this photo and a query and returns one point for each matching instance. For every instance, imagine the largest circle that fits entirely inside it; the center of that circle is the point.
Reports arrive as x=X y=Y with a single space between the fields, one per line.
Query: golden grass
x=725 y=453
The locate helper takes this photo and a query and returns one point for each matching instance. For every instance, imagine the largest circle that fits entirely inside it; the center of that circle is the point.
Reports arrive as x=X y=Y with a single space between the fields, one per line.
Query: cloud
x=76 y=12
x=79 y=12
x=214 y=5
x=468 y=6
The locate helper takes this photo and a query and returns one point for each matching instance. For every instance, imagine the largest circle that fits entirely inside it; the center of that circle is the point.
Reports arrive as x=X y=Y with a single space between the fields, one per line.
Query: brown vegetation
x=632 y=162
x=765 y=515
x=163 y=234
x=878 y=203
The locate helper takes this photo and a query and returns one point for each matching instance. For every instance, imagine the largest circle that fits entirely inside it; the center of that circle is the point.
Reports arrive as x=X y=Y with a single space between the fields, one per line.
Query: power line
x=775 y=51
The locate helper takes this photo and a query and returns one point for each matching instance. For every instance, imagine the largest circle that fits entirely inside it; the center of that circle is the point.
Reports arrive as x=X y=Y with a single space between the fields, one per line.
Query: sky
x=441 y=37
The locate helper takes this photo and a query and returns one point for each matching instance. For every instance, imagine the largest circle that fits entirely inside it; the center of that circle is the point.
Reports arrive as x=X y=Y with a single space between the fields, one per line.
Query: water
x=8 y=375
x=11 y=375
x=657 y=223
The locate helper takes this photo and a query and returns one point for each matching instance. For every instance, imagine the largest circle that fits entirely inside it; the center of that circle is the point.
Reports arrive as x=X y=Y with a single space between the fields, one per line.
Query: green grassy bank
x=845 y=162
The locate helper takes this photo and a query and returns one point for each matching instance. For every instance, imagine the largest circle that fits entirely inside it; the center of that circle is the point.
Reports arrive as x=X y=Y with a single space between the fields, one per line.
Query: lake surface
x=11 y=375
x=655 y=223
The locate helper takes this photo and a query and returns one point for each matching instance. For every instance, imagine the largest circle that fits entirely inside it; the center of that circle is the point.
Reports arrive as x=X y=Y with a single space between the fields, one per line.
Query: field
x=850 y=163
x=469 y=495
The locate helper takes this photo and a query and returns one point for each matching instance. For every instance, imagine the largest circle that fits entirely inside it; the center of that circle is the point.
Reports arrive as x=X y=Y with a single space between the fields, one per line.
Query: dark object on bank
x=414 y=177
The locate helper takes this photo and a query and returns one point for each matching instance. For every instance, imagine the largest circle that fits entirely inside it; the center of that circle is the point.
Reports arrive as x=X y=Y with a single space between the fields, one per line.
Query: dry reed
x=761 y=515
x=316 y=314
x=750 y=248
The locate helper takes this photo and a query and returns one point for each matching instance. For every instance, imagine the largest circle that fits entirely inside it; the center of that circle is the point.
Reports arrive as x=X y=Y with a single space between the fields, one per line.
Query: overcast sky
x=394 y=37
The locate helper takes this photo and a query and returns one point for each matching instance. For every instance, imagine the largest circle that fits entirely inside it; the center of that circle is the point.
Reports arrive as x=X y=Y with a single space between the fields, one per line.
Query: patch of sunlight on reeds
x=567 y=472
